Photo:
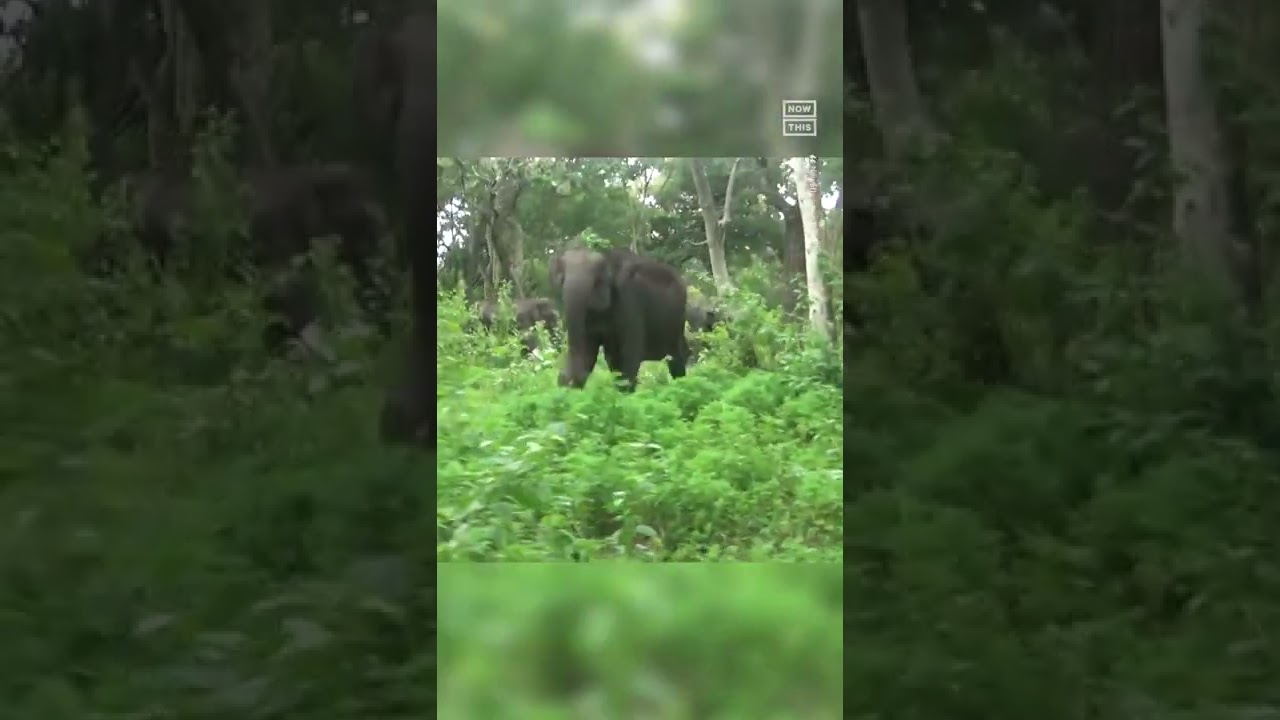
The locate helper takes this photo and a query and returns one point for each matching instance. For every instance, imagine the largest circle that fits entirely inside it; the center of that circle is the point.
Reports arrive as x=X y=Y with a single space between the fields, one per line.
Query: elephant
x=700 y=317
x=529 y=313
x=631 y=306
x=287 y=209
x=400 y=70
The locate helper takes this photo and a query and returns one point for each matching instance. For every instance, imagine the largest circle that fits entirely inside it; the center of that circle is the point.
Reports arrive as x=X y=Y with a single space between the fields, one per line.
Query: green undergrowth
x=727 y=463
x=189 y=529
x=607 y=640
x=1063 y=469
x=210 y=552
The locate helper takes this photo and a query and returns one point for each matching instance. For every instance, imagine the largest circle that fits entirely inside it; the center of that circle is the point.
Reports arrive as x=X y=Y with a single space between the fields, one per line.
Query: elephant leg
x=678 y=362
x=625 y=364
x=576 y=372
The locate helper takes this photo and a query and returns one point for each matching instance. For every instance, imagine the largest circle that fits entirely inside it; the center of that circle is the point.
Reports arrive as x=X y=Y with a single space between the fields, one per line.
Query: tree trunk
x=1202 y=203
x=792 y=235
x=711 y=224
x=640 y=225
x=805 y=174
x=515 y=236
x=500 y=230
x=251 y=75
x=886 y=50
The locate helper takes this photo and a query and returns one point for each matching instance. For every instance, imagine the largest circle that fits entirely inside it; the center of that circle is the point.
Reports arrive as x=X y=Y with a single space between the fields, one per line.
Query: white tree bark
x=804 y=171
x=713 y=226
x=1202 y=203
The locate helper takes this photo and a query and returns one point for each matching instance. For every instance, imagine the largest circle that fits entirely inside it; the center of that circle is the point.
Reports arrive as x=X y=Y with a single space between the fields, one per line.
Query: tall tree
x=895 y=96
x=804 y=171
x=1202 y=209
x=713 y=226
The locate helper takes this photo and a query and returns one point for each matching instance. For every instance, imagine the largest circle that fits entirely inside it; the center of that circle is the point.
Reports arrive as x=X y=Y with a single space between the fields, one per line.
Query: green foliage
x=727 y=463
x=187 y=528
x=676 y=641
x=1062 y=456
x=1062 y=468
x=646 y=203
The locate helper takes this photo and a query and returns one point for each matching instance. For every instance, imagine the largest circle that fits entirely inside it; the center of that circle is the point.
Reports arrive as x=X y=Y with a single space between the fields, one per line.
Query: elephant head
x=701 y=317
x=585 y=279
x=532 y=312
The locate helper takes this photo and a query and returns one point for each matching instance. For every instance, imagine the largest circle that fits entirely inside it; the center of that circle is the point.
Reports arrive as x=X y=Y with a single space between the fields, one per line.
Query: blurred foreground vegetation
x=676 y=642
x=189 y=528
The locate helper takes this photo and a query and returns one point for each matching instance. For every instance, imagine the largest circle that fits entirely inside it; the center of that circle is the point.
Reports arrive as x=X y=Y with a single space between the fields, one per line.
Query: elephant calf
x=700 y=317
x=530 y=312
x=631 y=306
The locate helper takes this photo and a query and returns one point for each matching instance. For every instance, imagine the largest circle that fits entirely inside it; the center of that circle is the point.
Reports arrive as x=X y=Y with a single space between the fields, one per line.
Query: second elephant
x=701 y=317
x=530 y=312
x=630 y=306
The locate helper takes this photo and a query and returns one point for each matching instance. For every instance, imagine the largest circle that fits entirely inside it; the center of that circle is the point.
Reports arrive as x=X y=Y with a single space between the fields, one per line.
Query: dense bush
x=188 y=529
x=729 y=463
x=1062 y=468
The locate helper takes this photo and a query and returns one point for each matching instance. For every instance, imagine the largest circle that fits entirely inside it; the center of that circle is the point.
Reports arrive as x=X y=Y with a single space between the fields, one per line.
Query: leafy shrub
x=188 y=528
x=727 y=463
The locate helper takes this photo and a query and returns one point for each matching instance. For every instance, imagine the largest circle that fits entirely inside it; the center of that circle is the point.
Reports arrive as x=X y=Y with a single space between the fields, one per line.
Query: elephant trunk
x=577 y=293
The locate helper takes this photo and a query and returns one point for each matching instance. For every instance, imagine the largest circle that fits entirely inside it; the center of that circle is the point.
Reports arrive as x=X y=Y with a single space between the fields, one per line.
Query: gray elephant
x=400 y=70
x=530 y=312
x=700 y=317
x=287 y=209
x=630 y=306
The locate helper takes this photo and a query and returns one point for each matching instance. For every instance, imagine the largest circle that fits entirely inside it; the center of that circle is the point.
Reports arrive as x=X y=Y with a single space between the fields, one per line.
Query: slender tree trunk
x=251 y=77
x=711 y=224
x=515 y=236
x=886 y=50
x=792 y=236
x=805 y=173
x=640 y=225
x=1202 y=209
